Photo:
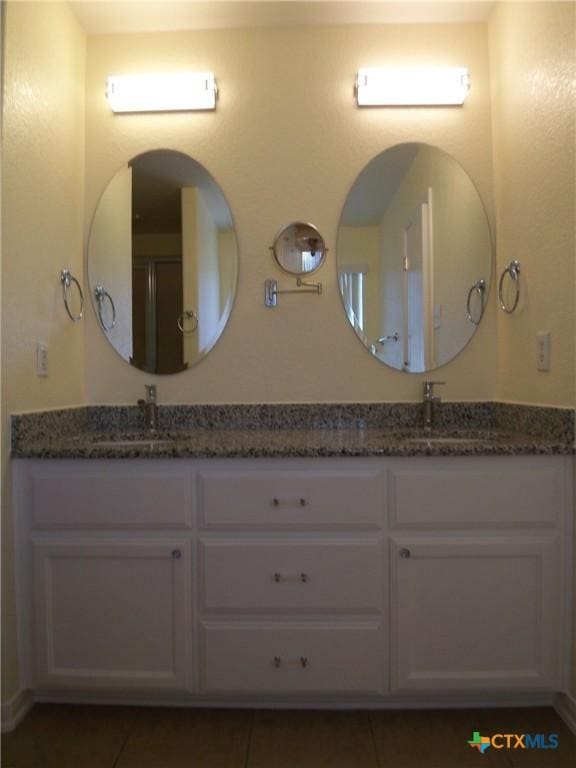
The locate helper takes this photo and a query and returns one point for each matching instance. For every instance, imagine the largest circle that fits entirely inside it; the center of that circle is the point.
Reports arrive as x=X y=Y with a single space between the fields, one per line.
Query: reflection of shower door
x=417 y=290
x=157 y=304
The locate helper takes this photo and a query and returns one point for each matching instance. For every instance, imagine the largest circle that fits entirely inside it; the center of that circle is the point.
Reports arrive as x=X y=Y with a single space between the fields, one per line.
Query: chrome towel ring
x=479 y=287
x=513 y=271
x=188 y=314
x=67 y=278
x=100 y=294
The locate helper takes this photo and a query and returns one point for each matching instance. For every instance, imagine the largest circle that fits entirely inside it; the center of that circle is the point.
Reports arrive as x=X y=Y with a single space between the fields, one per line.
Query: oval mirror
x=162 y=262
x=414 y=257
x=299 y=249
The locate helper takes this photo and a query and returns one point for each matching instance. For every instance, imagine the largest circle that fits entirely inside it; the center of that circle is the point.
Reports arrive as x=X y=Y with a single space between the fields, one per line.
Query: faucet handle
x=150 y=393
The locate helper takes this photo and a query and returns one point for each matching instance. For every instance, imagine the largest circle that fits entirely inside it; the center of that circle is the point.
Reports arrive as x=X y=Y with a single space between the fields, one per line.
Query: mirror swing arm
x=271 y=290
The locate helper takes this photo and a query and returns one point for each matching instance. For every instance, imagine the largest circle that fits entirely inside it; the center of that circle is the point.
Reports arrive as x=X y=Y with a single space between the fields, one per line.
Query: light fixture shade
x=432 y=86
x=161 y=92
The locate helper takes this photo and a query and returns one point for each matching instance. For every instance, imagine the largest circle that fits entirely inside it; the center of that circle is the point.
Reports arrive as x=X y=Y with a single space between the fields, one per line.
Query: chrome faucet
x=429 y=400
x=150 y=407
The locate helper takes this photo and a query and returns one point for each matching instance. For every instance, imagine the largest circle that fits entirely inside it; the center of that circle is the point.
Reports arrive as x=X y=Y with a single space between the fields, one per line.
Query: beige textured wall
x=286 y=143
x=533 y=60
x=532 y=55
x=42 y=192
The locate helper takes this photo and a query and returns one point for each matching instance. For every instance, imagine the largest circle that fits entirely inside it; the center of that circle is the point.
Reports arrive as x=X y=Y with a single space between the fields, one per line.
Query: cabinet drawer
x=345 y=498
x=465 y=492
x=294 y=658
x=269 y=575
x=114 y=494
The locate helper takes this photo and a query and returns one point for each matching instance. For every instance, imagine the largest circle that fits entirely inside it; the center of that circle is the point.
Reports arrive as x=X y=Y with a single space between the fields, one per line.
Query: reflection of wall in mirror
x=200 y=271
x=111 y=257
x=359 y=246
x=460 y=244
x=392 y=289
x=417 y=342
x=226 y=266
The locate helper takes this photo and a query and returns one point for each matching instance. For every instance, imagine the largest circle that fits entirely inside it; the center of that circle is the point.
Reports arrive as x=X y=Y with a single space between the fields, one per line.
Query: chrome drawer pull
x=302 y=577
x=289 y=502
x=301 y=662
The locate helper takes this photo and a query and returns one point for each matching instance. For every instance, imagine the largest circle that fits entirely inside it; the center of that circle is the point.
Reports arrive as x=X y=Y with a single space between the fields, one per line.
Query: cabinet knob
x=404 y=553
x=176 y=554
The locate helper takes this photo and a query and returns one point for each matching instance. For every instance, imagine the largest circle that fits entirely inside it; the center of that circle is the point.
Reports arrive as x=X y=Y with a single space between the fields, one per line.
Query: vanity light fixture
x=162 y=92
x=430 y=86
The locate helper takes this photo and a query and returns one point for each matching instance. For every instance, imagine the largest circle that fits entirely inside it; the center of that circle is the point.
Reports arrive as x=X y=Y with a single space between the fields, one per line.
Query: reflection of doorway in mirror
x=417 y=304
x=157 y=303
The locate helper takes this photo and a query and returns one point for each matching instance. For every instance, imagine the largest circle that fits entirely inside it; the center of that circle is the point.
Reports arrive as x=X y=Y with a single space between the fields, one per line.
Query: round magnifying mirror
x=162 y=262
x=299 y=249
x=414 y=257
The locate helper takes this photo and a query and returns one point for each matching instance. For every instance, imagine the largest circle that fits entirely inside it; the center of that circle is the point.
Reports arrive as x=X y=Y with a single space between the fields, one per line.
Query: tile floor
x=66 y=736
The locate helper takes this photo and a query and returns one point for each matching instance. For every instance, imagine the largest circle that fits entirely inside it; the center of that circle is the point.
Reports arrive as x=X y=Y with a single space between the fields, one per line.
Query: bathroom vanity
x=295 y=578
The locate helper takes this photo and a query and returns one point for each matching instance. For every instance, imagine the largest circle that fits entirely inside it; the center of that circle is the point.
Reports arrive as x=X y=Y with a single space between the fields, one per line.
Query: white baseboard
x=15 y=709
x=463 y=701
x=565 y=705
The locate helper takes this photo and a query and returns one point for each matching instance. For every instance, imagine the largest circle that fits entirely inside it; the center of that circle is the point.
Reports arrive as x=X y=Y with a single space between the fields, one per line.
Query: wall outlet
x=543 y=351
x=41 y=359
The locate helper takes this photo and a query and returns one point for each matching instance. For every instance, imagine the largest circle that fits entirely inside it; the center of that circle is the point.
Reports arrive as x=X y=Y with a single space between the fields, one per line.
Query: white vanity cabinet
x=478 y=550
x=297 y=580
x=110 y=614
x=293 y=577
x=105 y=575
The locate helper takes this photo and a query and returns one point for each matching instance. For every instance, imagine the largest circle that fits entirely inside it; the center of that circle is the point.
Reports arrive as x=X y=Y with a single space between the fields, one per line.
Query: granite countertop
x=104 y=432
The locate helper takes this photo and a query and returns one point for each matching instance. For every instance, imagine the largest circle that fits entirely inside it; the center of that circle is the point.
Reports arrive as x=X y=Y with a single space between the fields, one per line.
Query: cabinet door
x=475 y=614
x=111 y=615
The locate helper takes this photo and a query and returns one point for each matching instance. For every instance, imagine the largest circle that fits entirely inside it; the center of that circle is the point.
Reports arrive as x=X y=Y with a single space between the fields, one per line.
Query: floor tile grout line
x=374 y=745
x=124 y=743
x=119 y=755
x=249 y=745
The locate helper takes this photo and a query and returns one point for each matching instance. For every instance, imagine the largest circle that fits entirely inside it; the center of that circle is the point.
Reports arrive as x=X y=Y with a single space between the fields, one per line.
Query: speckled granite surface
x=299 y=430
